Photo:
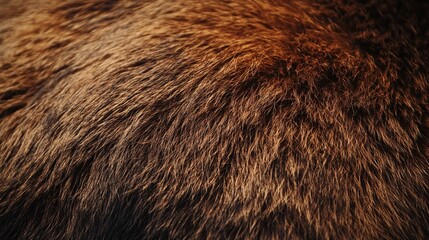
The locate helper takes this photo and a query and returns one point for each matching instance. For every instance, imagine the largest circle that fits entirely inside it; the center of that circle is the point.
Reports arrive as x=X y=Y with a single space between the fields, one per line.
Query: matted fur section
x=214 y=119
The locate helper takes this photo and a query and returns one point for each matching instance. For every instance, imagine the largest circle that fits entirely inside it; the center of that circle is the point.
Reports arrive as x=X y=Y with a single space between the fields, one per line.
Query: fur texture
x=214 y=119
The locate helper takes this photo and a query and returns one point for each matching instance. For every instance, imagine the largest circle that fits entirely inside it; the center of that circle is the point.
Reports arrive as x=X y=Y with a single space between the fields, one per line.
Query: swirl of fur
x=216 y=119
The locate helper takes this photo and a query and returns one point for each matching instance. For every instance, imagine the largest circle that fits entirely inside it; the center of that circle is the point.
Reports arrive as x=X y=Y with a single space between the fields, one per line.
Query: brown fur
x=214 y=119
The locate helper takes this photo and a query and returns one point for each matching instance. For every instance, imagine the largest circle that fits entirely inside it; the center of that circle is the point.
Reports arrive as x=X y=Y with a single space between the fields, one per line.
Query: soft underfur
x=214 y=119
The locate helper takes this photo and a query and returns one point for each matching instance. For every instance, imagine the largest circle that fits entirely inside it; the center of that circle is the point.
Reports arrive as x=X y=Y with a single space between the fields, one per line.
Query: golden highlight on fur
x=216 y=119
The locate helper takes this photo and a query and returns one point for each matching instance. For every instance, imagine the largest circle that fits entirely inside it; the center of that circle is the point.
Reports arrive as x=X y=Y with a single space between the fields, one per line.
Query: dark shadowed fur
x=214 y=119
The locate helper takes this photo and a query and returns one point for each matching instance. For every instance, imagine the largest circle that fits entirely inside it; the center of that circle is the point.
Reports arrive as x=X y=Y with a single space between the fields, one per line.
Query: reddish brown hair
x=214 y=119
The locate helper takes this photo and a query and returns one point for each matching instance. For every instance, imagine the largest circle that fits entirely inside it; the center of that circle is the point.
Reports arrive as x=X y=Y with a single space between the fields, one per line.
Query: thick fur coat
x=253 y=119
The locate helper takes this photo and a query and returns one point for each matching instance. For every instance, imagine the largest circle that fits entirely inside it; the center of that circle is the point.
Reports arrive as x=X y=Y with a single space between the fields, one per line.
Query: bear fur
x=253 y=119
